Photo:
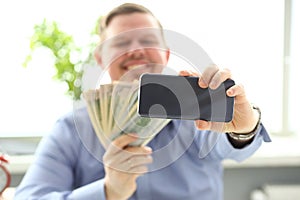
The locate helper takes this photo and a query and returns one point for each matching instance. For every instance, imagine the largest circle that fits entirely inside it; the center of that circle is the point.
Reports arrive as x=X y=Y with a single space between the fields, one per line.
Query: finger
x=115 y=159
x=142 y=160
x=138 y=170
x=220 y=127
x=202 y=125
x=188 y=73
x=237 y=91
x=131 y=152
x=183 y=73
x=207 y=75
x=122 y=141
x=136 y=161
x=133 y=162
x=139 y=150
x=219 y=77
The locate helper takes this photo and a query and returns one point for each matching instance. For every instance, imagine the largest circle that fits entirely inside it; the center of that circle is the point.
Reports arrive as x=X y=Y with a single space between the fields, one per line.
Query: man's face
x=133 y=45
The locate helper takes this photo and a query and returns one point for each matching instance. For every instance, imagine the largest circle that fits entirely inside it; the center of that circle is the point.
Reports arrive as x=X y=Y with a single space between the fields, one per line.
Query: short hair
x=126 y=8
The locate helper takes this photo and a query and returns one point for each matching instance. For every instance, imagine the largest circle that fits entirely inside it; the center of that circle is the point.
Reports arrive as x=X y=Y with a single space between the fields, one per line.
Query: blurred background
x=257 y=39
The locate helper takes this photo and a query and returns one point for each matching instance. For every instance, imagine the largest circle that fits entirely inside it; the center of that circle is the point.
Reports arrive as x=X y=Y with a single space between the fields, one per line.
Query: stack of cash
x=112 y=109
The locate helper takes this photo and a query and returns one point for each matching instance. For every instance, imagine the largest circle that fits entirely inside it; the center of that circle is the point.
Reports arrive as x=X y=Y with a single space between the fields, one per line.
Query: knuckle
x=227 y=70
x=226 y=73
x=240 y=87
x=105 y=158
x=213 y=67
x=223 y=73
x=142 y=169
x=131 y=149
x=116 y=143
x=150 y=159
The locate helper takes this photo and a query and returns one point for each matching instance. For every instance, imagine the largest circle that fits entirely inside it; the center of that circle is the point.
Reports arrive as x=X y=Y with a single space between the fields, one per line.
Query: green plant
x=69 y=59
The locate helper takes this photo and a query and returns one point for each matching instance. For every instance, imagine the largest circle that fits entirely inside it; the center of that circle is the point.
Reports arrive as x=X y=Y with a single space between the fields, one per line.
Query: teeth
x=132 y=67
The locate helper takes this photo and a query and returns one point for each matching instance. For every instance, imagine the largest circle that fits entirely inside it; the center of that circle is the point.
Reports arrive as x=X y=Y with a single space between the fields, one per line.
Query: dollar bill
x=112 y=109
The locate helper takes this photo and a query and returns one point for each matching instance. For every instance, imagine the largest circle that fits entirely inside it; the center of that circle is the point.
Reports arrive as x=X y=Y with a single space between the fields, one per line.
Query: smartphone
x=181 y=97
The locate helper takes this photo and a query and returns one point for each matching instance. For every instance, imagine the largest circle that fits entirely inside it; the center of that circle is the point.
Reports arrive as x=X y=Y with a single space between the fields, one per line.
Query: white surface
x=277 y=192
x=281 y=152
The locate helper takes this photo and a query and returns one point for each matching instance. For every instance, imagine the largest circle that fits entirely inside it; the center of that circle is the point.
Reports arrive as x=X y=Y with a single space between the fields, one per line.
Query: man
x=183 y=161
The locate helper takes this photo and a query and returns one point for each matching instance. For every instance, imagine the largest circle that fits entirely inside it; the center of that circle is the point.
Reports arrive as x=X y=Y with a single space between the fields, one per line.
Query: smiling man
x=183 y=161
x=129 y=41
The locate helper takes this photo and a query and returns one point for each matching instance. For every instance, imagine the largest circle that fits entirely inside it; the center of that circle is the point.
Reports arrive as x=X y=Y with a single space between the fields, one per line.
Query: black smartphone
x=180 y=97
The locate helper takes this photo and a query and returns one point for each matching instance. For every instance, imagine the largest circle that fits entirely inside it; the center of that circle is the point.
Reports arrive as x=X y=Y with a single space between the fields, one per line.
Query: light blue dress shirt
x=187 y=163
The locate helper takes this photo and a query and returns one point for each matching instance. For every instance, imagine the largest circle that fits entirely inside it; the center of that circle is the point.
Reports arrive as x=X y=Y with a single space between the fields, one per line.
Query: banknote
x=112 y=109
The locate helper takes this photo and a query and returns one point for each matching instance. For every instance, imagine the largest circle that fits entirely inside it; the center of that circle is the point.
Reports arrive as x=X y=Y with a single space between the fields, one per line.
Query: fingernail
x=148 y=148
x=229 y=92
x=202 y=83
x=150 y=158
x=183 y=73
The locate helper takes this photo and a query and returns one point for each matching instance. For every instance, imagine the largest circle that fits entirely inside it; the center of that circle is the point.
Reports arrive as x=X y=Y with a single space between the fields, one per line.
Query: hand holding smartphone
x=181 y=97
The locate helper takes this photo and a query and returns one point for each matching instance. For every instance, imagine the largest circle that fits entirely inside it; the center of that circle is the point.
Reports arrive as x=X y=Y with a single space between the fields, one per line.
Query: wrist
x=255 y=122
x=246 y=136
x=110 y=194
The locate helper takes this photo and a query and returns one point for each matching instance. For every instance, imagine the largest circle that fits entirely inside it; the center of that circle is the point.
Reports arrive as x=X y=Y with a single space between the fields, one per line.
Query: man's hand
x=244 y=117
x=123 y=165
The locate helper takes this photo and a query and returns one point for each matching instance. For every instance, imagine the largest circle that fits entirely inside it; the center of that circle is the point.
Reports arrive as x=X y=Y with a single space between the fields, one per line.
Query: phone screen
x=180 y=97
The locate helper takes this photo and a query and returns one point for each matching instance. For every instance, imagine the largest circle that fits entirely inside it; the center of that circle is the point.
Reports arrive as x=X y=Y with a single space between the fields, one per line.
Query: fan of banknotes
x=112 y=109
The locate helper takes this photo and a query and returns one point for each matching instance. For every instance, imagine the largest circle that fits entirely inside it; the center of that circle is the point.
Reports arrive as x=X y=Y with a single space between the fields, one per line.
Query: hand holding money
x=123 y=165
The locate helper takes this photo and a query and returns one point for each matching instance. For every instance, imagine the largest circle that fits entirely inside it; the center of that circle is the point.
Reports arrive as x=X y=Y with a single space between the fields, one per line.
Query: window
x=244 y=36
x=294 y=61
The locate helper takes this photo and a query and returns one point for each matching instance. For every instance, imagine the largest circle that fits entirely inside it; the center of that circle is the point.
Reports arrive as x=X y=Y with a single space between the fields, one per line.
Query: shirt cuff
x=228 y=151
x=92 y=191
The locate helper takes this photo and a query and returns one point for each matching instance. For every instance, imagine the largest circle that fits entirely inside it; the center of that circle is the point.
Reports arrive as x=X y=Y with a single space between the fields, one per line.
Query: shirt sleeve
x=225 y=150
x=91 y=191
x=56 y=172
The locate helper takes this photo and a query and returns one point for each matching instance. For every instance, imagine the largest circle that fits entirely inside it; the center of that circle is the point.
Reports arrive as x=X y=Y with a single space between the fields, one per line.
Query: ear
x=98 y=57
x=167 y=54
